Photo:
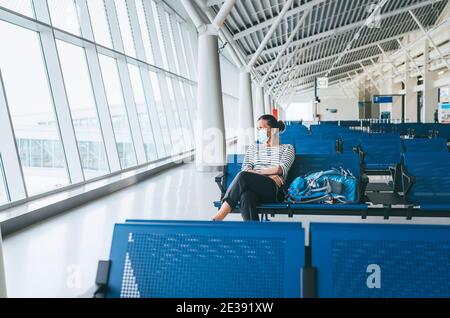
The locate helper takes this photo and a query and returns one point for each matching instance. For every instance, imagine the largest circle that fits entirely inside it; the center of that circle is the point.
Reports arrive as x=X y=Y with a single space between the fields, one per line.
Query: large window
x=99 y=22
x=3 y=189
x=125 y=27
x=144 y=31
x=172 y=43
x=79 y=83
x=83 y=110
x=142 y=110
x=161 y=113
x=118 y=111
x=184 y=56
x=31 y=108
x=64 y=15
x=160 y=35
x=177 y=131
x=22 y=6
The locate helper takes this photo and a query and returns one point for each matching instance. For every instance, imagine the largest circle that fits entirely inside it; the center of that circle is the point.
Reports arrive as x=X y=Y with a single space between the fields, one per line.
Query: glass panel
x=118 y=111
x=99 y=22
x=22 y=6
x=171 y=45
x=125 y=27
x=144 y=31
x=184 y=57
x=160 y=35
x=144 y=118
x=189 y=133
x=31 y=107
x=161 y=113
x=176 y=134
x=83 y=110
x=4 y=197
x=64 y=15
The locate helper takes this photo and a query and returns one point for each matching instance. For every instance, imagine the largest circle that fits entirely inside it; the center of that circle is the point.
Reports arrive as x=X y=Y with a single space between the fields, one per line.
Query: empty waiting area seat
x=426 y=180
x=175 y=259
x=425 y=145
x=363 y=260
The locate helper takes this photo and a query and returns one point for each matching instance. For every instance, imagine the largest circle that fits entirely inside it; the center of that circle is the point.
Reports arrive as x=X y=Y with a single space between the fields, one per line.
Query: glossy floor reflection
x=58 y=258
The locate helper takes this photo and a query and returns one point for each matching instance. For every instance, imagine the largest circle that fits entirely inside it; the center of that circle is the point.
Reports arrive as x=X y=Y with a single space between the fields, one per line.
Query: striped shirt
x=263 y=157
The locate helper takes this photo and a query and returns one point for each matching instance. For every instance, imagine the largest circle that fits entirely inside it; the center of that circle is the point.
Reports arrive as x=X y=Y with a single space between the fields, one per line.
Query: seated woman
x=264 y=172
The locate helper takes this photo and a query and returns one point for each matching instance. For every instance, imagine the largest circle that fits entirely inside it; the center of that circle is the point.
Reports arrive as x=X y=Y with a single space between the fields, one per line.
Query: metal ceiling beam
x=370 y=77
x=268 y=23
x=351 y=26
x=339 y=67
x=269 y=34
x=430 y=39
x=367 y=22
x=286 y=46
x=410 y=58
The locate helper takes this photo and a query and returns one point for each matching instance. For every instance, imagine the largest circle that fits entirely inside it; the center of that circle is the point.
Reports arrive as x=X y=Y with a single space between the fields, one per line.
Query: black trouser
x=249 y=189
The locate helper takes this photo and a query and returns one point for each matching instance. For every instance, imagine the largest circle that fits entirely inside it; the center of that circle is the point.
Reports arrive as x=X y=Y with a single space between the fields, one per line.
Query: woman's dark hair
x=273 y=122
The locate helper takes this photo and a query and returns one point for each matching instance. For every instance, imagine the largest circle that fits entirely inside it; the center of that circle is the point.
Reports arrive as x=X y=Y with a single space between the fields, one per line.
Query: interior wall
x=331 y=98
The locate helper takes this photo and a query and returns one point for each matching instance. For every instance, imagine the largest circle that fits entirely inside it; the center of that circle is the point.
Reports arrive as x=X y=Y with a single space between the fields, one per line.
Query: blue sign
x=382 y=99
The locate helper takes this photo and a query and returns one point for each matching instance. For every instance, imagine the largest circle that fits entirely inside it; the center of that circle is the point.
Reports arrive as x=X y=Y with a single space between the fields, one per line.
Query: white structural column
x=2 y=270
x=267 y=103
x=410 y=95
x=210 y=126
x=430 y=93
x=259 y=102
x=246 y=119
x=397 y=102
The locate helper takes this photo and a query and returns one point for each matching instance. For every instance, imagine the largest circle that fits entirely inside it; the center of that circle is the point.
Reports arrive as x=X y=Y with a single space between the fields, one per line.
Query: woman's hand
x=278 y=180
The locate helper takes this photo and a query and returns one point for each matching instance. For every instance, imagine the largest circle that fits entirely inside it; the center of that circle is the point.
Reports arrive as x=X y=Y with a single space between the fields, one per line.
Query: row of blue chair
x=175 y=259
x=303 y=165
x=421 y=186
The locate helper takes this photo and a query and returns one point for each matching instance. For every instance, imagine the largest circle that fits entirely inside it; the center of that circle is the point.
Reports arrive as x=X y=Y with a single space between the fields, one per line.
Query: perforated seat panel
x=414 y=261
x=206 y=260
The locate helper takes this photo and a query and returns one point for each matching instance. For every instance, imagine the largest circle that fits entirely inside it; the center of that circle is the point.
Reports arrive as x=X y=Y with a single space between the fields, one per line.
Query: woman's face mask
x=262 y=137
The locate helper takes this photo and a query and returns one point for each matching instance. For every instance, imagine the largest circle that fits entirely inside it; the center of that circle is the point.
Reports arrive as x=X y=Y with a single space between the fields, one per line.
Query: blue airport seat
x=234 y=166
x=429 y=187
x=304 y=146
x=192 y=259
x=303 y=165
x=381 y=154
x=411 y=260
x=426 y=145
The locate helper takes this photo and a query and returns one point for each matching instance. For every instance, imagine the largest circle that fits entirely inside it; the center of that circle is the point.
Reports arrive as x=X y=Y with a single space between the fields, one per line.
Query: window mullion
x=58 y=91
x=99 y=92
x=8 y=148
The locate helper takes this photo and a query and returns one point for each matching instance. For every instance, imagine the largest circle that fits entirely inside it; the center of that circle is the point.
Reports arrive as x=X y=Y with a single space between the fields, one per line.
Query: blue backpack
x=332 y=186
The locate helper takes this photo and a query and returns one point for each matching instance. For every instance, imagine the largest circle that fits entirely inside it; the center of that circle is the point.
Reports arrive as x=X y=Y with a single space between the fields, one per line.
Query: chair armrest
x=102 y=279
x=410 y=181
x=220 y=181
x=364 y=181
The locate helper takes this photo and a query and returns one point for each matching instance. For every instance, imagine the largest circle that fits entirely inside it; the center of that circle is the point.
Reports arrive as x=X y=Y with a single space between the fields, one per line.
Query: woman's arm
x=248 y=164
x=276 y=170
